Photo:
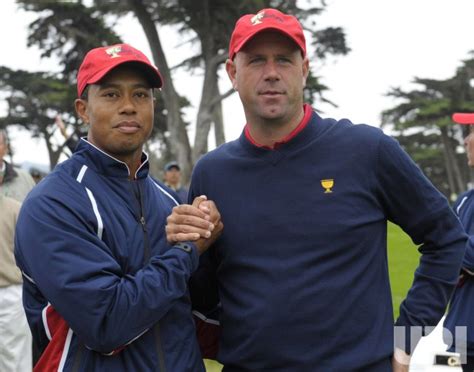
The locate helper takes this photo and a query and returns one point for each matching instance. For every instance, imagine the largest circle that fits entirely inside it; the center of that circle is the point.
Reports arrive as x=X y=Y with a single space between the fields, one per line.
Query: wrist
x=401 y=357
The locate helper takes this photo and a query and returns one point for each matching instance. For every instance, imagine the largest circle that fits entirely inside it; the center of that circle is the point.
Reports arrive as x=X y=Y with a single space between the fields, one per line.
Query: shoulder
x=24 y=176
x=219 y=155
x=345 y=133
x=361 y=131
x=347 y=126
x=10 y=204
x=59 y=186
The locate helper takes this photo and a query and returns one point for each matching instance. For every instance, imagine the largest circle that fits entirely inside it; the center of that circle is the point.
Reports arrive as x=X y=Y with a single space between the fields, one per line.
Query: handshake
x=199 y=223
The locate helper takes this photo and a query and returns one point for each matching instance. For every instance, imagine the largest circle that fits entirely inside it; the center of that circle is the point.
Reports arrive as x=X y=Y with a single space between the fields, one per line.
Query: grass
x=402 y=260
x=212 y=366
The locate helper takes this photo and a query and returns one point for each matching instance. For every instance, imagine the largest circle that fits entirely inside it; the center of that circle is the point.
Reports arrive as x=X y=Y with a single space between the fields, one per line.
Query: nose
x=271 y=71
x=127 y=106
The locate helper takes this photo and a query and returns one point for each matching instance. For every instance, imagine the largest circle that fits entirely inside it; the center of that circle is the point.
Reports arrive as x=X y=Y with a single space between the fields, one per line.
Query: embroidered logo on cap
x=327 y=185
x=114 y=51
x=257 y=18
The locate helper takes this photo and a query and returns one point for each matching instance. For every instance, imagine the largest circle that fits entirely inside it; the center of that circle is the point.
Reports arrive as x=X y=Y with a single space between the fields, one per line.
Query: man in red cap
x=103 y=290
x=300 y=272
x=462 y=303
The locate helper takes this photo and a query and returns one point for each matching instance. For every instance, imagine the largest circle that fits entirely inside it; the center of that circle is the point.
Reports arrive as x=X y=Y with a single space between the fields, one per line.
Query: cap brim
x=281 y=30
x=153 y=75
x=463 y=118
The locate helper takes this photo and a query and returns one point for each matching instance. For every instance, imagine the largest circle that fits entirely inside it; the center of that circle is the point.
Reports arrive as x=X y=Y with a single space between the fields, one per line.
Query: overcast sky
x=392 y=41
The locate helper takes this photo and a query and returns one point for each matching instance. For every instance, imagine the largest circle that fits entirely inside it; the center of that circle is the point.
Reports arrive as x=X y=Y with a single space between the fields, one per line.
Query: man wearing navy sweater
x=300 y=273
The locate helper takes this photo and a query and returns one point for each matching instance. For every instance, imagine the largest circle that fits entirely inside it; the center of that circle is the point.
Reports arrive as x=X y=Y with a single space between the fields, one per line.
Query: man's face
x=269 y=73
x=173 y=176
x=119 y=112
x=469 y=145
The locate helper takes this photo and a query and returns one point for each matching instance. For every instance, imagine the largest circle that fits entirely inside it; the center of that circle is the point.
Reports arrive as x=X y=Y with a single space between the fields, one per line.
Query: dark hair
x=85 y=93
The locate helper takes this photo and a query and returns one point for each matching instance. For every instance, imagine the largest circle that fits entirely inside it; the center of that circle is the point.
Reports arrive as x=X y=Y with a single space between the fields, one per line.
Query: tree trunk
x=52 y=154
x=179 y=140
x=206 y=110
x=456 y=183
x=218 y=122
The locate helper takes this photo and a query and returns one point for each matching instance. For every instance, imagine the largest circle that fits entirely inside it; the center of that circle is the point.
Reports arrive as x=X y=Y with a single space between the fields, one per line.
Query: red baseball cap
x=463 y=118
x=266 y=19
x=98 y=62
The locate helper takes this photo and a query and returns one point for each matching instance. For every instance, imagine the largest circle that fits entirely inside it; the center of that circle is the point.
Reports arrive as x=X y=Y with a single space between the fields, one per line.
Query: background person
x=14 y=182
x=462 y=304
x=104 y=291
x=172 y=179
x=300 y=270
x=15 y=336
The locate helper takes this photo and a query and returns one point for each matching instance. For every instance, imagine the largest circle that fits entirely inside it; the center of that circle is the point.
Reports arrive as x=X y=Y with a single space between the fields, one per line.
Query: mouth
x=270 y=93
x=128 y=127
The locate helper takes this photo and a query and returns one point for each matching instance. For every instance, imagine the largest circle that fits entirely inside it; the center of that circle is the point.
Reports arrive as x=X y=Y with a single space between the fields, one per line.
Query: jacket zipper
x=146 y=257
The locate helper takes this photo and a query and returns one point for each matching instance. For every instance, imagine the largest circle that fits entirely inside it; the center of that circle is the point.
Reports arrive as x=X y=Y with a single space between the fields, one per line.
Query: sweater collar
x=311 y=127
x=307 y=116
x=103 y=163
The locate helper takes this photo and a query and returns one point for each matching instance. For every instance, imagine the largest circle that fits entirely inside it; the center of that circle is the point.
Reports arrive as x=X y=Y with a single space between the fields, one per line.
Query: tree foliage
x=33 y=98
x=67 y=30
x=423 y=125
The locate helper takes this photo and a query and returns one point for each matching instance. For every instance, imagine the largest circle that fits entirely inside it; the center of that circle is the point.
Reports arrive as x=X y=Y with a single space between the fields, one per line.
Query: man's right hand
x=200 y=223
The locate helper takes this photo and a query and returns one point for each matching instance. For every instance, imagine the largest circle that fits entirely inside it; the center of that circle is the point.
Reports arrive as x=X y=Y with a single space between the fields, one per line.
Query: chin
x=272 y=114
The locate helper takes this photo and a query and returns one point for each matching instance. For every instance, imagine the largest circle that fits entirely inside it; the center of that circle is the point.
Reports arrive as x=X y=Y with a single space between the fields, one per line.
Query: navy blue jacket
x=103 y=291
x=300 y=269
x=461 y=308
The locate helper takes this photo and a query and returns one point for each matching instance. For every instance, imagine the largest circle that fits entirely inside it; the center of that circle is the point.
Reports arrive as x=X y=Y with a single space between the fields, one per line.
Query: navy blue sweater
x=301 y=267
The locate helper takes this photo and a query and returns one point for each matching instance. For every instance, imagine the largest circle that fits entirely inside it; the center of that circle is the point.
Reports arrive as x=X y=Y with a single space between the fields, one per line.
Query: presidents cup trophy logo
x=327 y=185
x=114 y=51
x=257 y=18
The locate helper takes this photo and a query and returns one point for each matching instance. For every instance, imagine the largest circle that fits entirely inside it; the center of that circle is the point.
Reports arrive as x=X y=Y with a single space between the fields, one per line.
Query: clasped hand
x=199 y=223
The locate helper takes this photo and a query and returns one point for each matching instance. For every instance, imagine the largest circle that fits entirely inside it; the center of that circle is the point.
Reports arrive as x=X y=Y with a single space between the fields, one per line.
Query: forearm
x=85 y=284
x=436 y=276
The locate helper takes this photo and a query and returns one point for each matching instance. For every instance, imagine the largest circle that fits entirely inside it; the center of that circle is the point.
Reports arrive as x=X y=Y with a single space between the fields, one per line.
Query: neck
x=133 y=163
x=173 y=185
x=133 y=167
x=268 y=132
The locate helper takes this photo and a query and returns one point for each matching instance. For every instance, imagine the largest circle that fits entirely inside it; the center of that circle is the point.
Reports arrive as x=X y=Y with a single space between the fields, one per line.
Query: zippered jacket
x=103 y=290
x=460 y=321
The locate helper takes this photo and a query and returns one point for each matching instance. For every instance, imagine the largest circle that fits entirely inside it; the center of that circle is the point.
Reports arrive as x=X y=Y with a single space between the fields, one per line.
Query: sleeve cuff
x=189 y=249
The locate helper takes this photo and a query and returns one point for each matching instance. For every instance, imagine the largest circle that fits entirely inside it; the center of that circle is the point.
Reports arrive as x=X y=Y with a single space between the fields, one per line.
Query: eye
x=142 y=94
x=110 y=94
x=284 y=59
x=254 y=60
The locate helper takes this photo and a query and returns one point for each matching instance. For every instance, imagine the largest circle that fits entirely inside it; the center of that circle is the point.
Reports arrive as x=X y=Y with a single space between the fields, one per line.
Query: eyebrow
x=281 y=54
x=115 y=85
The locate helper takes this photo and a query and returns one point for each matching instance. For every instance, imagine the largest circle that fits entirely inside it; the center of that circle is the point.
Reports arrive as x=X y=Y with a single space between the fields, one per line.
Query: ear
x=81 y=110
x=231 y=72
x=305 y=68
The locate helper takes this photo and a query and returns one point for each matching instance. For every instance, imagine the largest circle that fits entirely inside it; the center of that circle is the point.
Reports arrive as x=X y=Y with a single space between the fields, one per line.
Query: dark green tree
x=423 y=125
x=68 y=29
x=33 y=99
x=65 y=30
